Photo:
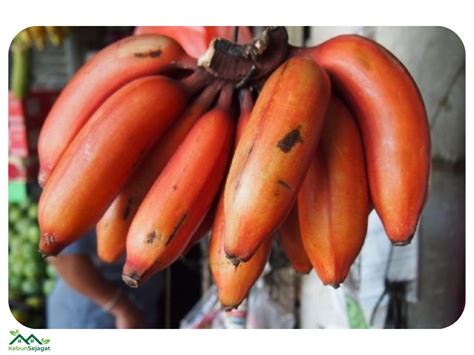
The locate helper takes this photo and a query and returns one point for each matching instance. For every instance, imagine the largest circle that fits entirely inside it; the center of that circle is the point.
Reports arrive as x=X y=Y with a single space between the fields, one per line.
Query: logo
x=29 y=343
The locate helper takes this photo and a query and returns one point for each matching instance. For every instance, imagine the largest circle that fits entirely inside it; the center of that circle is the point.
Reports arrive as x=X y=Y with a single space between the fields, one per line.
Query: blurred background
x=418 y=286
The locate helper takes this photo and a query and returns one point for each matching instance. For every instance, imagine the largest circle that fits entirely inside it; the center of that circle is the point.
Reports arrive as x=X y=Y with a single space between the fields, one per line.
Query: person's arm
x=78 y=271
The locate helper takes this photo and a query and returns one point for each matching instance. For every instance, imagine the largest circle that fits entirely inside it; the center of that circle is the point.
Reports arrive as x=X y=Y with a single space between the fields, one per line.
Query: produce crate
x=30 y=278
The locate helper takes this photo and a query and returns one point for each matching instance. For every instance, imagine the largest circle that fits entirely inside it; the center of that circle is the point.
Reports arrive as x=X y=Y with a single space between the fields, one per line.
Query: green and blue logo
x=30 y=343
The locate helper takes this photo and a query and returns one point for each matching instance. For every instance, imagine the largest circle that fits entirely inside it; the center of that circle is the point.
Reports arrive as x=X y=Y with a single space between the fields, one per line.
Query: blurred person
x=91 y=294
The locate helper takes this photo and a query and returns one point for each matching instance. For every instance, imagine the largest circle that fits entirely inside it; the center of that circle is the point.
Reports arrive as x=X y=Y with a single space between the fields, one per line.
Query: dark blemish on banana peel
x=284 y=184
x=150 y=238
x=149 y=54
x=290 y=139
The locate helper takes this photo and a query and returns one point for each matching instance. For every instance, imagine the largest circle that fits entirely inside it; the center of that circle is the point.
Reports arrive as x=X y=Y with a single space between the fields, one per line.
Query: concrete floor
x=442 y=251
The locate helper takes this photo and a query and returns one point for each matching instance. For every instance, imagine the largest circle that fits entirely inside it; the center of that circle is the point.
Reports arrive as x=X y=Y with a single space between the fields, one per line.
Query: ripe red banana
x=234 y=281
x=113 y=227
x=333 y=200
x=178 y=201
x=292 y=244
x=110 y=69
x=246 y=105
x=273 y=154
x=86 y=180
x=393 y=122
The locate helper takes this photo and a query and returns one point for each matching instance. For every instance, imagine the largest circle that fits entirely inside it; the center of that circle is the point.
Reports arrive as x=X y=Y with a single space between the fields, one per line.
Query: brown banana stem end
x=244 y=64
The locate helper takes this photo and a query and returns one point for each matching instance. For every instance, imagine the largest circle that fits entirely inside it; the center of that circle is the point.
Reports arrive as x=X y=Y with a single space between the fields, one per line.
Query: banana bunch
x=251 y=142
x=38 y=37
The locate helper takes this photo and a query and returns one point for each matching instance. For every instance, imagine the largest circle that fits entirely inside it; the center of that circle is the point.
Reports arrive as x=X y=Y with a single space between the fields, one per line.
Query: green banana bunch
x=21 y=52
x=20 y=69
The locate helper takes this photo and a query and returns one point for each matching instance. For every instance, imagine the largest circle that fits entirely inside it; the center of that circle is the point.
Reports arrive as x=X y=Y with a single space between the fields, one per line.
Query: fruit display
x=156 y=142
x=31 y=37
x=30 y=278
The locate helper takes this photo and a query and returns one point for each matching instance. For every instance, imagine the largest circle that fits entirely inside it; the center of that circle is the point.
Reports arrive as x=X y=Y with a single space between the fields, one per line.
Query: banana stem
x=196 y=81
x=244 y=64
x=186 y=62
x=225 y=97
x=246 y=102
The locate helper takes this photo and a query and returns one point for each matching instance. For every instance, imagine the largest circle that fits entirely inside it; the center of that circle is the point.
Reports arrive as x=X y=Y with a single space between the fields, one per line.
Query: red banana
x=178 y=201
x=113 y=227
x=333 y=200
x=393 y=123
x=273 y=154
x=86 y=180
x=206 y=225
x=292 y=244
x=233 y=281
x=110 y=69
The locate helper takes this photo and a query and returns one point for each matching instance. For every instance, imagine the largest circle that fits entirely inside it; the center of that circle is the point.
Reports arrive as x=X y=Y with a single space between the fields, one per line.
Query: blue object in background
x=67 y=308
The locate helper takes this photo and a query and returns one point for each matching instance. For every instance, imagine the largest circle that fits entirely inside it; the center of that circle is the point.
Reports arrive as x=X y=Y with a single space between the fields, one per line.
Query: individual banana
x=333 y=200
x=292 y=244
x=102 y=157
x=113 y=227
x=20 y=72
x=110 y=69
x=246 y=105
x=39 y=36
x=393 y=123
x=273 y=155
x=55 y=34
x=23 y=38
x=178 y=201
x=233 y=281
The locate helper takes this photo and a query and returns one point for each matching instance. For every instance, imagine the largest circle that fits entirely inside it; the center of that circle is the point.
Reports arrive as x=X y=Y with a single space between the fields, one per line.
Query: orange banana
x=178 y=201
x=233 y=282
x=393 y=122
x=290 y=240
x=206 y=225
x=273 y=154
x=110 y=69
x=113 y=227
x=333 y=200
x=86 y=180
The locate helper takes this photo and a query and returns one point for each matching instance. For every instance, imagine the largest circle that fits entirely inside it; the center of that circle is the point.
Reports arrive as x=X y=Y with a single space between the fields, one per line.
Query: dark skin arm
x=80 y=273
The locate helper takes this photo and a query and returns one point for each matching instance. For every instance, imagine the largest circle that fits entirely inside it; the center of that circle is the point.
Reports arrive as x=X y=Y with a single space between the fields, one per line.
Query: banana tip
x=46 y=255
x=229 y=308
x=234 y=260
x=401 y=243
x=41 y=179
x=131 y=280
